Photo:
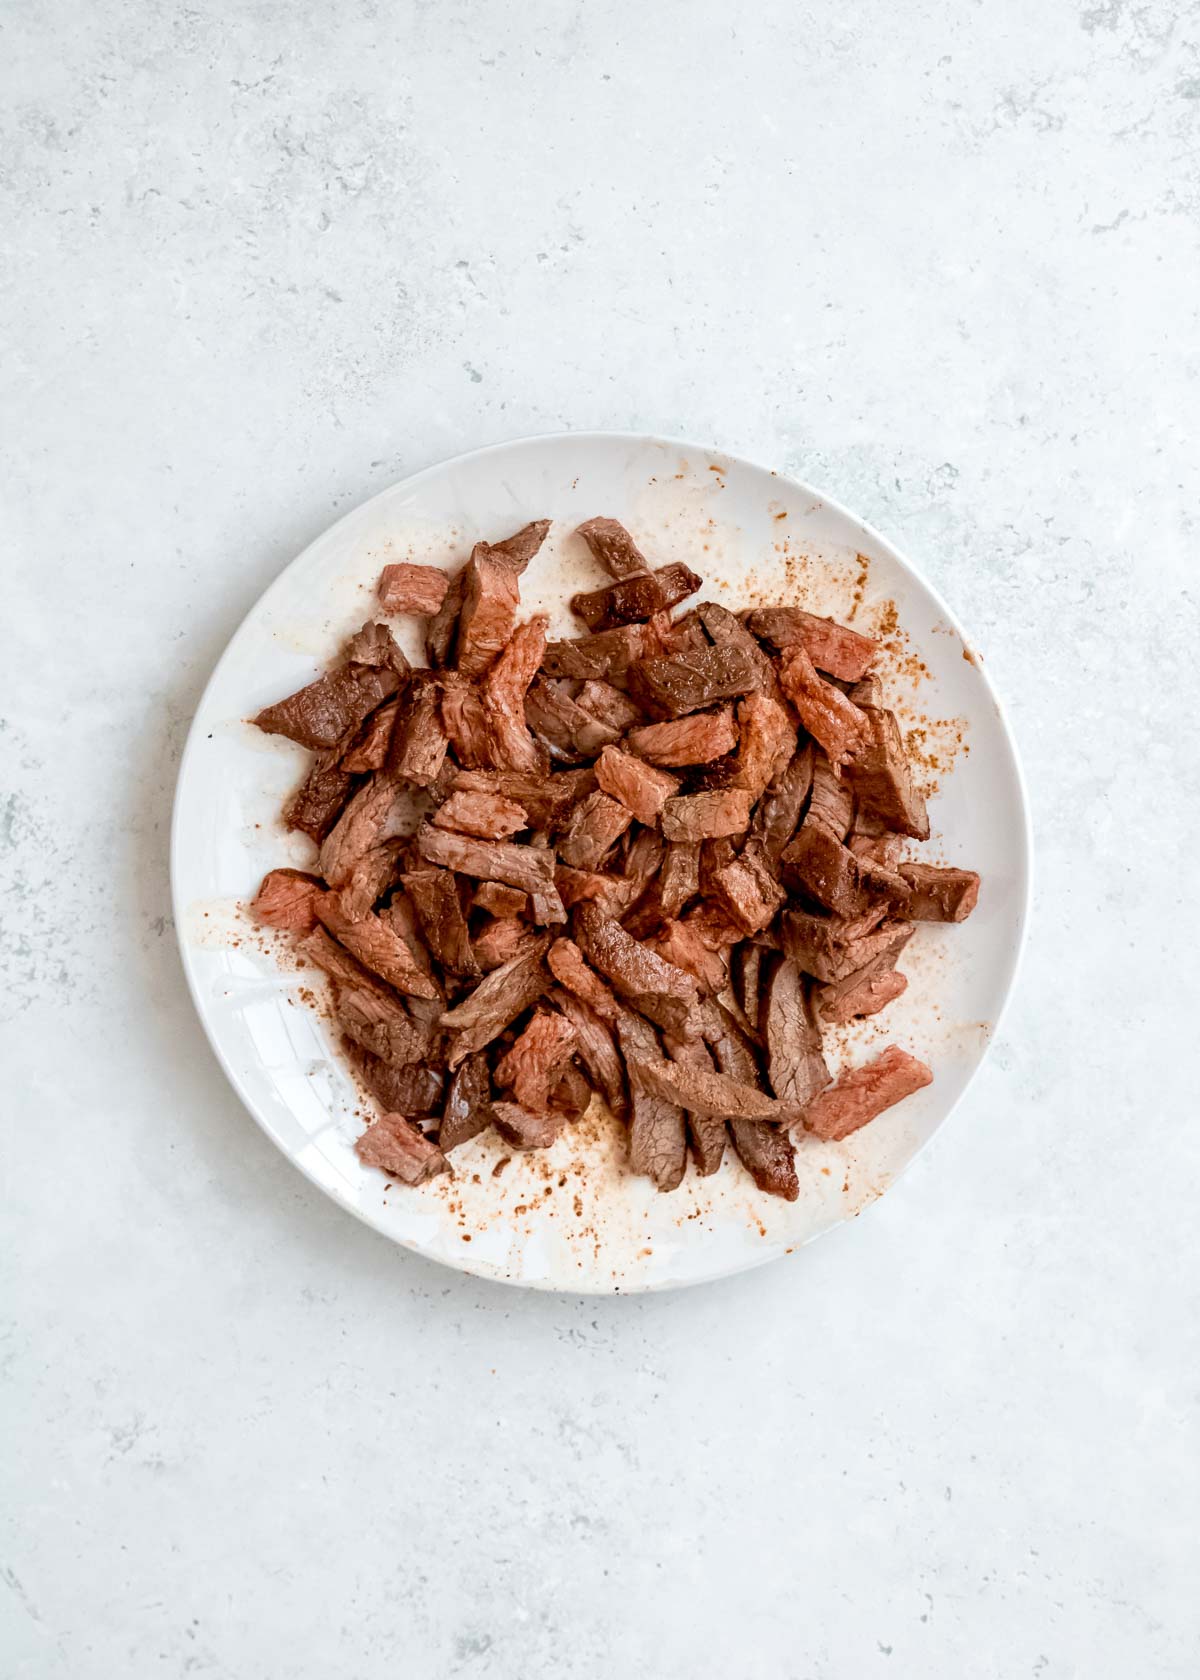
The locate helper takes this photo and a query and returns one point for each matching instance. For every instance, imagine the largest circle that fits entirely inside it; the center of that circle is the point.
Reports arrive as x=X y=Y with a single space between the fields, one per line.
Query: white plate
x=571 y=1217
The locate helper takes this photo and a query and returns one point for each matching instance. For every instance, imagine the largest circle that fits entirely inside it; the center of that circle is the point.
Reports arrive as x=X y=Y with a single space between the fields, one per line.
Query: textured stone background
x=261 y=260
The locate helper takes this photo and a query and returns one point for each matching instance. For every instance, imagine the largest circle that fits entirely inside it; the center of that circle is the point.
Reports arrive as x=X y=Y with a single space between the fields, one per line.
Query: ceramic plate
x=572 y=1217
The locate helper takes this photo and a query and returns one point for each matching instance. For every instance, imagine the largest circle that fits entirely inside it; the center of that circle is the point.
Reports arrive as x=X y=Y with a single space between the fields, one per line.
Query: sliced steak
x=727 y=631
x=748 y=890
x=566 y=962
x=375 y=814
x=864 y=993
x=378 y=947
x=405 y=588
x=748 y=973
x=484 y=816
x=673 y=687
x=661 y=991
x=572 y=1095
x=321 y=797
x=321 y=715
x=442 y=630
x=288 y=898
x=700 y=1089
x=370 y=879
x=831 y=949
x=860 y=1094
x=701 y=816
x=778 y=811
x=609 y=706
x=519 y=549
x=419 y=739
x=657 y=1130
x=689 y=740
x=411 y=1089
x=939 y=894
x=680 y=877
x=597 y=1052
x=504 y=691
x=612 y=545
x=531 y=1067
x=468 y=1109
x=491 y=595
x=529 y=868
x=499 y=900
x=766 y=743
x=500 y=940
x=464 y=720
x=635 y=598
x=682 y=944
x=832 y=647
x=524 y=1130
x=795 y=1063
x=835 y=723
x=498 y=999
x=882 y=778
x=594 y=829
x=831 y=803
x=546 y=800
x=708 y=1133
x=433 y=893
x=374 y=644
x=643 y=857
x=567 y=730
x=383 y=1027
x=610 y=893
x=370 y=749
x=768 y=1156
x=394 y=1145
x=639 y=787
x=608 y=654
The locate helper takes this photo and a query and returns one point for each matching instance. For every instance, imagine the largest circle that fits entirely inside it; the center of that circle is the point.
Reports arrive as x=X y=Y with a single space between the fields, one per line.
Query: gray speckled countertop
x=261 y=260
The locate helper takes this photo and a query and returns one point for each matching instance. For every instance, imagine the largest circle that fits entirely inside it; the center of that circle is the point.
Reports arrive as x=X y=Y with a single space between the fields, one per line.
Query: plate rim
x=464 y=1263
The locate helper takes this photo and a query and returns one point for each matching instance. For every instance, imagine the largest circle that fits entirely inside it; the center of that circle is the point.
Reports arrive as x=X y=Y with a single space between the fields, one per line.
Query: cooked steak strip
x=500 y=940
x=748 y=890
x=395 y=1145
x=657 y=1130
x=321 y=715
x=519 y=549
x=504 y=691
x=860 y=1094
x=531 y=1067
x=522 y=1130
x=562 y=724
x=370 y=749
x=608 y=654
x=778 y=811
x=383 y=1027
x=566 y=962
x=321 y=798
x=529 y=868
x=374 y=644
x=835 y=723
x=831 y=803
x=830 y=949
x=881 y=776
x=681 y=944
x=419 y=741
x=700 y=1090
x=405 y=588
x=864 y=993
x=488 y=618
x=609 y=706
x=700 y=816
x=938 y=894
x=370 y=879
x=498 y=999
x=661 y=991
x=795 y=1063
x=747 y=969
x=674 y=687
x=499 y=900
x=288 y=898
x=680 y=877
x=639 y=787
x=727 y=631
x=433 y=893
x=597 y=1052
x=484 y=816
x=766 y=743
x=572 y=1095
x=442 y=629
x=611 y=893
x=378 y=947
x=468 y=1109
x=768 y=1156
x=707 y=1133
x=690 y=740
x=612 y=545
x=546 y=800
x=832 y=647
x=632 y=599
x=374 y=815
x=464 y=720
x=594 y=829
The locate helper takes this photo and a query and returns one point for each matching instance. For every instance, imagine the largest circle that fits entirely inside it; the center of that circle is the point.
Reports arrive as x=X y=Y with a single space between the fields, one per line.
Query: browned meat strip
x=499 y=900
x=498 y=999
x=748 y=974
x=766 y=743
x=323 y=714
x=878 y=848
x=830 y=949
x=864 y=993
x=701 y=816
x=610 y=893
x=419 y=741
x=594 y=829
x=522 y=1130
x=410 y=1089
x=383 y=1027
x=660 y=990
x=433 y=893
x=882 y=778
x=674 y=687
x=374 y=815
x=572 y=1095
x=939 y=894
x=632 y=599
x=374 y=644
x=562 y=724
x=831 y=647
x=768 y=1156
x=794 y=1061
x=612 y=545
x=370 y=878
x=778 y=811
x=529 y=868
x=321 y=798
x=657 y=1131
x=504 y=690
x=609 y=706
x=442 y=629
x=682 y=944
x=725 y=630
x=831 y=802
x=700 y=1090
x=639 y=787
x=468 y=1109
x=484 y=816
x=288 y=899
x=597 y=1052
x=748 y=890
x=566 y=963
x=547 y=800
x=500 y=940
x=707 y=1132
x=370 y=749
x=491 y=594
x=378 y=947
x=465 y=722
x=405 y=588
x=608 y=654
x=680 y=878
x=531 y=1067
x=396 y=1146
x=519 y=549
x=860 y=1094
x=690 y=740
x=835 y=723
x=817 y=862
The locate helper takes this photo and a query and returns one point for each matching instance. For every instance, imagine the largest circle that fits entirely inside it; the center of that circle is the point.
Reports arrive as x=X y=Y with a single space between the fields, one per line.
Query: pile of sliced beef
x=649 y=862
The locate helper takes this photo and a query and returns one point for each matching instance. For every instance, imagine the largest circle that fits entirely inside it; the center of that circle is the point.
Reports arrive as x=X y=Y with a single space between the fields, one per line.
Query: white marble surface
x=262 y=259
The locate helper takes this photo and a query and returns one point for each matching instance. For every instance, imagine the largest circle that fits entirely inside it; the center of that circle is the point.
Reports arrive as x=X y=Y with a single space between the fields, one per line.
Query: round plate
x=572 y=1217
